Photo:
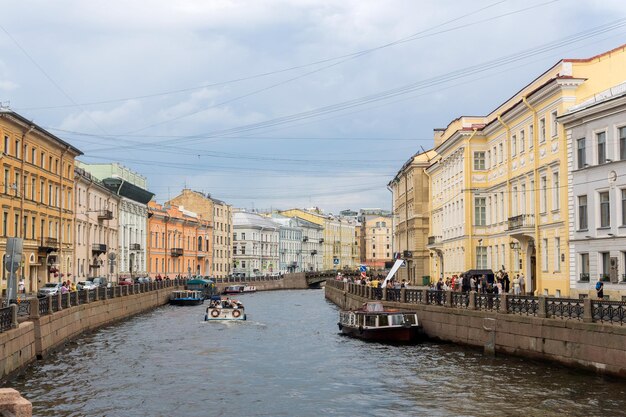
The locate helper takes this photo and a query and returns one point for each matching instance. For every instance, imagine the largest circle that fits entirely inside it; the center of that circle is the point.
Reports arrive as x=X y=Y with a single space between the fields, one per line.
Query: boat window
x=396 y=320
x=370 y=321
x=383 y=321
x=410 y=318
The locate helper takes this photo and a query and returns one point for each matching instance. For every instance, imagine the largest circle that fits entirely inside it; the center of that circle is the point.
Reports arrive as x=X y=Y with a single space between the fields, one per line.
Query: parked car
x=86 y=285
x=126 y=281
x=50 y=288
x=100 y=281
x=142 y=280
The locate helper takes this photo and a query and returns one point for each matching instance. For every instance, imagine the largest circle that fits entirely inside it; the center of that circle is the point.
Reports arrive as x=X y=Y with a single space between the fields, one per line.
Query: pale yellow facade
x=340 y=243
x=37 y=199
x=499 y=183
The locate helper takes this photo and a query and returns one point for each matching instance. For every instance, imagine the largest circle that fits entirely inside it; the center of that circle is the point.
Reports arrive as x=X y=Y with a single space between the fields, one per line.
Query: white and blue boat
x=224 y=309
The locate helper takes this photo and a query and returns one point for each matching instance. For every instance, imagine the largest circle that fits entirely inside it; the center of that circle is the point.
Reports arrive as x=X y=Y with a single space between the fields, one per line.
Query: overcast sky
x=277 y=103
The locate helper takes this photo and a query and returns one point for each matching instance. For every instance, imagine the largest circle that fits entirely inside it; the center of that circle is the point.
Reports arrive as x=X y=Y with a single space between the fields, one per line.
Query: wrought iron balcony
x=305 y=238
x=105 y=215
x=521 y=221
x=605 y=277
x=98 y=248
x=135 y=246
x=176 y=252
x=584 y=277
x=49 y=244
x=313 y=252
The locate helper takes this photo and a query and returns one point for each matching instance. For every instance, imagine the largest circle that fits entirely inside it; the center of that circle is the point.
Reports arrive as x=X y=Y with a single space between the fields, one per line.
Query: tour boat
x=224 y=309
x=375 y=323
x=186 y=298
x=238 y=289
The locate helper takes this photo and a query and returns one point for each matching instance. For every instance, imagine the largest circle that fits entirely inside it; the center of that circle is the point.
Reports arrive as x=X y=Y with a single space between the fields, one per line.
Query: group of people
x=68 y=286
x=501 y=283
x=374 y=281
x=226 y=303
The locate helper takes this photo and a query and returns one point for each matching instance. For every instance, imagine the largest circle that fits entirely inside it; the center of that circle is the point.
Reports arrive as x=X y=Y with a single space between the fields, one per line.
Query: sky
x=278 y=104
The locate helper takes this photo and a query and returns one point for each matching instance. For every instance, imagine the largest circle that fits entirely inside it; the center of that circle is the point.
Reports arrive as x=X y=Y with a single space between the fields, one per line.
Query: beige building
x=37 y=199
x=375 y=236
x=220 y=216
x=410 y=190
x=96 y=228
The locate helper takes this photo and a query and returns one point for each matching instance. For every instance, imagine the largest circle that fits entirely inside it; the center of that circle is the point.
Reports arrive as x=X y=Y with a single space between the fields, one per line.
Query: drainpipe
x=509 y=155
x=535 y=192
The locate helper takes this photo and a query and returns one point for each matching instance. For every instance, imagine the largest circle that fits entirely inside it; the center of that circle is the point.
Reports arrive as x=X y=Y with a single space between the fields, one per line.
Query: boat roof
x=199 y=281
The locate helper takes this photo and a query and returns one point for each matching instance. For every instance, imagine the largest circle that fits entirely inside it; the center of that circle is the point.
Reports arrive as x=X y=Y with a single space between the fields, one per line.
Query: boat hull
x=388 y=334
x=217 y=314
x=194 y=302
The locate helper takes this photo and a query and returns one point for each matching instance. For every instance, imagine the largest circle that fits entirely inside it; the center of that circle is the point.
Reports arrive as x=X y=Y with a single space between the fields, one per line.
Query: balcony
x=105 y=215
x=98 y=248
x=135 y=246
x=305 y=238
x=176 y=252
x=522 y=221
x=201 y=254
x=313 y=252
x=49 y=244
x=433 y=240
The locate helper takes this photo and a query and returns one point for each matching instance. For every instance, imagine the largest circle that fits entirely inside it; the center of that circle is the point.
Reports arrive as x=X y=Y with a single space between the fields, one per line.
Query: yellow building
x=37 y=199
x=340 y=242
x=411 y=217
x=499 y=182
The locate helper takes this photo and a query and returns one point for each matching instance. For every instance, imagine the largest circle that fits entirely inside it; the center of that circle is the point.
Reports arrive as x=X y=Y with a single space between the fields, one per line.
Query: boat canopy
x=199 y=281
x=374 y=306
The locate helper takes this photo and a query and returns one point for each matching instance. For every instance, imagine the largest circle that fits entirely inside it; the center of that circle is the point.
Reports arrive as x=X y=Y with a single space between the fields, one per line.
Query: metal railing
x=489 y=302
x=44 y=306
x=393 y=294
x=377 y=293
x=23 y=308
x=608 y=311
x=82 y=296
x=460 y=299
x=413 y=296
x=435 y=297
x=523 y=304
x=565 y=308
x=520 y=221
x=6 y=318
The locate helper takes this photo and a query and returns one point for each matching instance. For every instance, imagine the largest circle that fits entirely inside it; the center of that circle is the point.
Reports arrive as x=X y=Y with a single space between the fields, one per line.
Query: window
x=243 y=236
x=623 y=207
x=622 y=143
x=580 y=153
x=5 y=219
x=554 y=124
x=513 y=145
x=557 y=253
x=555 y=191
x=601 y=144
x=544 y=254
x=480 y=211
x=531 y=136
x=584 y=267
x=542 y=130
x=543 y=194
x=522 y=141
x=605 y=258
x=7 y=180
x=481 y=257
x=33 y=156
x=6 y=145
x=17 y=149
x=494 y=160
x=479 y=160
x=243 y=250
x=605 y=210
x=514 y=202
x=500 y=153
x=582 y=212
x=522 y=205
x=33 y=188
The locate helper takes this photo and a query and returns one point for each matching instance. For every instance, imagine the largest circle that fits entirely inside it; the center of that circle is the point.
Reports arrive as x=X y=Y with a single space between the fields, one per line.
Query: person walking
x=516 y=285
x=522 y=284
x=600 y=289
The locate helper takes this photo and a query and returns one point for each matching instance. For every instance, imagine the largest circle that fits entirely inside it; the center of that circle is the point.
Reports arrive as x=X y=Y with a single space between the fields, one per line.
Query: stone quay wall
x=577 y=342
x=46 y=324
x=295 y=281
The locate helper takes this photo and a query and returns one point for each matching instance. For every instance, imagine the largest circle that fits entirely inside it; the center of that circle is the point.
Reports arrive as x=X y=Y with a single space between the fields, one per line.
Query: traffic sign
x=335 y=261
x=11 y=264
x=363 y=268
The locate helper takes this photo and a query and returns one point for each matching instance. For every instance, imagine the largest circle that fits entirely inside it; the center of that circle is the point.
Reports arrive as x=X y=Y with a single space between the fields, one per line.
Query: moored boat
x=375 y=323
x=186 y=298
x=225 y=309
x=233 y=289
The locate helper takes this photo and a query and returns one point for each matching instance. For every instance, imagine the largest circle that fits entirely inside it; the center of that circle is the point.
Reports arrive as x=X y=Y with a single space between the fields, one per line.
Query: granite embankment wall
x=296 y=281
x=48 y=328
x=596 y=346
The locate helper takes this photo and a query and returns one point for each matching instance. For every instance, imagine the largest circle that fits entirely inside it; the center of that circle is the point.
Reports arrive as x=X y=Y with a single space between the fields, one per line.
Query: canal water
x=289 y=360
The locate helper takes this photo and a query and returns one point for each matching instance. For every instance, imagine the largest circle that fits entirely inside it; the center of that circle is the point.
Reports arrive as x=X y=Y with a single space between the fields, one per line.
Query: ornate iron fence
x=435 y=297
x=608 y=311
x=6 y=319
x=65 y=300
x=489 y=302
x=565 y=308
x=377 y=293
x=523 y=304
x=393 y=294
x=55 y=303
x=23 y=308
x=110 y=292
x=43 y=306
x=413 y=296
x=460 y=299
x=83 y=296
x=101 y=292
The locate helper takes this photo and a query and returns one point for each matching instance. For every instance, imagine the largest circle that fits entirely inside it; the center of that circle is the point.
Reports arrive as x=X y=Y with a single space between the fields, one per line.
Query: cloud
x=8 y=85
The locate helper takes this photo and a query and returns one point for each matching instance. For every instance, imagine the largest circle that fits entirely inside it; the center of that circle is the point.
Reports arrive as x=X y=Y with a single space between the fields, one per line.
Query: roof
x=243 y=219
x=128 y=190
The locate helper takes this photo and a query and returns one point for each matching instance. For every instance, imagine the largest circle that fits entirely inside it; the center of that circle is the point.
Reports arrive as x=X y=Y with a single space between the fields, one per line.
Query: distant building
x=291 y=240
x=221 y=218
x=376 y=233
x=179 y=242
x=96 y=228
x=255 y=245
x=410 y=197
x=132 y=254
x=596 y=150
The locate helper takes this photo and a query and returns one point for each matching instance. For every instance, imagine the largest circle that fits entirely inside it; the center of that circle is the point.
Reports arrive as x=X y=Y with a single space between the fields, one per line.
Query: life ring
x=215 y=313
x=236 y=313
